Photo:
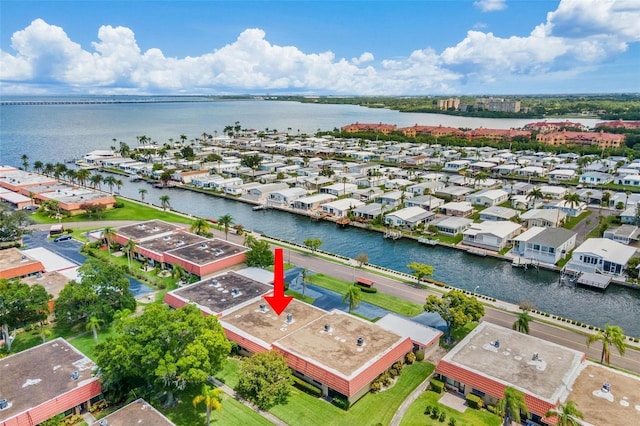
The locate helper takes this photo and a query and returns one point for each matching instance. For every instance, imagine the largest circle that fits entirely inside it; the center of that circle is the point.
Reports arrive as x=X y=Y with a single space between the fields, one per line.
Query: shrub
x=442 y=417
x=366 y=289
x=452 y=421
x=435 y=412
x=393 y=372
x=340 y=402
x=118 y=205
x=428 y=410
x=410 y=358
x=375 y=386
x=492 y=409
x=385 y=378
x=436 y=385
x=420 y=355
x=474 y=401
x=306 y=387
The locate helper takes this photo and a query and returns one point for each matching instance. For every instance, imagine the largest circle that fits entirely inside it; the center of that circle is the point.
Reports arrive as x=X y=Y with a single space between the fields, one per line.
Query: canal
x=488 y=276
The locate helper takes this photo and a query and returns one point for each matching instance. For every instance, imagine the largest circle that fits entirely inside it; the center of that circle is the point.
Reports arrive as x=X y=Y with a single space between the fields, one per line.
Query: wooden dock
x=394 y=235
x=428 y=241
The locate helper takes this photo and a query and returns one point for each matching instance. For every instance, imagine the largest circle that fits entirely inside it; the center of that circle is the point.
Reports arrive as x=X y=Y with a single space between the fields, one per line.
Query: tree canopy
x=455 y=308
x=21 y=304
x=259 y=253
x=163 y=349
x=420 y=270
x=103 y=289
x=12 y=224
x=265 y=379
x=312 y=243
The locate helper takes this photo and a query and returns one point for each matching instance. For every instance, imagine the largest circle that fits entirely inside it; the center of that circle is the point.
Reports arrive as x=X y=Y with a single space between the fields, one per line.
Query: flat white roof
x=50 y=260
x=418 y=333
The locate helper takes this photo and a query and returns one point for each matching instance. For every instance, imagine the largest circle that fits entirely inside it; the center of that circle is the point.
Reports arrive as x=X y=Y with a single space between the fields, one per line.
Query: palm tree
x=119 y=184
x=96 y=180
x=48 y=169
x=212 y=399
x=567 y=414
x=164 y=202
x=522 y=323
x=108 y=233
x=142 y=193
x=129 y=249
x=611 y=335
x=178 y=272
x=94 y=325
x=37 y=166
x=83 y=175
x=512 y=405
x=534 y=195
x=353 y=297
x=200 y=226
x=226 y=221
x=25 y=162
x=572 y=199
x=110 y=181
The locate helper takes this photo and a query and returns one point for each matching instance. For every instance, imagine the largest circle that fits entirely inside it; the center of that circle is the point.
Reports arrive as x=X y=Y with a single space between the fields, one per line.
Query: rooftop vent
x=75 y=375
x=289 y=318
x=235 y=292
x=203 y=245
x=606 y=387
x=327 y=327
x=496 y=344
x=360 y=341
x=4 y=404
x=180 y=243
x=535 y=357
x=263 y=307
x=166 y=238
x=141 y=225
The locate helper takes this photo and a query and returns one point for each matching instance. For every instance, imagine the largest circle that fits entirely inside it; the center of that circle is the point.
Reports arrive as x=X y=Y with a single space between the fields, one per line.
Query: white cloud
x=490 y=5
x=580 y=35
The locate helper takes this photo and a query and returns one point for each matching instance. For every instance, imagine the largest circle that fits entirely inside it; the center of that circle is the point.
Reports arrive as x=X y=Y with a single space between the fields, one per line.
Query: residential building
x=460 y=209
x=365 y=127
x=340 y=208
x=490 y=235
x=409 y=217
x=313 y=202
x=545 y=218
x=491 y=358
x=595 y=178
x=488 y=197
x=138 y=412
x=427 y=202
x=600 y=139
x=286 y=197
x=544 y=245
x=451 y=225
x=602 y=256
x=49 y=379
x=625 y=234
x=496 y=213
x=17 y=264
x=449 y=103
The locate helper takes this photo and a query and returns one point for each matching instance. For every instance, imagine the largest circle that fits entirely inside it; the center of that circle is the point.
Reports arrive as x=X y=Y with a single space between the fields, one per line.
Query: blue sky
x=417 y=47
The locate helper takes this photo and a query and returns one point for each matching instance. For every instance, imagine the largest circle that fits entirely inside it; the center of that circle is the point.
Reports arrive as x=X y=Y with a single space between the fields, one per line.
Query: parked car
x=62 y=238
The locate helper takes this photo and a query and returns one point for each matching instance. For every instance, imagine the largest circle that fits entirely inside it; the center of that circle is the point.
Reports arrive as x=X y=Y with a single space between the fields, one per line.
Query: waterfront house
x=496 y=213
x=629 y=180
x=491 y=358
x=602 y=256
x=313 y=202
x=490 y=235
x=340 y=208
x=459 y=209
x=506 y=169
x=561 y=174
x=409 y=217
x=368 y=211
x=531 y=171
x=451 y=225
x=545 y=218
x=488 y=197
x=595 y=178
x=625 y=234
x=286 y=197
x=261 y=192
x=544 y=245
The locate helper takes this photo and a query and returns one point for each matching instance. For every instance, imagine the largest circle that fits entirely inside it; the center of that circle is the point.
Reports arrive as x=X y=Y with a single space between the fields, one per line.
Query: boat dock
x=477 y=252
x=394 y=235
x=428 y=241
x=523 y=262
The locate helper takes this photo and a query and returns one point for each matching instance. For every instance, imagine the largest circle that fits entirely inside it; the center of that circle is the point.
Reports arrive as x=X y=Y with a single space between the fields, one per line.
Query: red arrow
x=278 y=301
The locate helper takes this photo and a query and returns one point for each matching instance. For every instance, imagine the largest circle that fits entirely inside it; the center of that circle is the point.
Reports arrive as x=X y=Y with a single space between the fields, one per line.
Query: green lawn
x=229 y=373
x=571 y=222
x=415 y=414
x=233 y=413
x=386 y=301
x=85 y=344
x=303 y=409
x=130 y=211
